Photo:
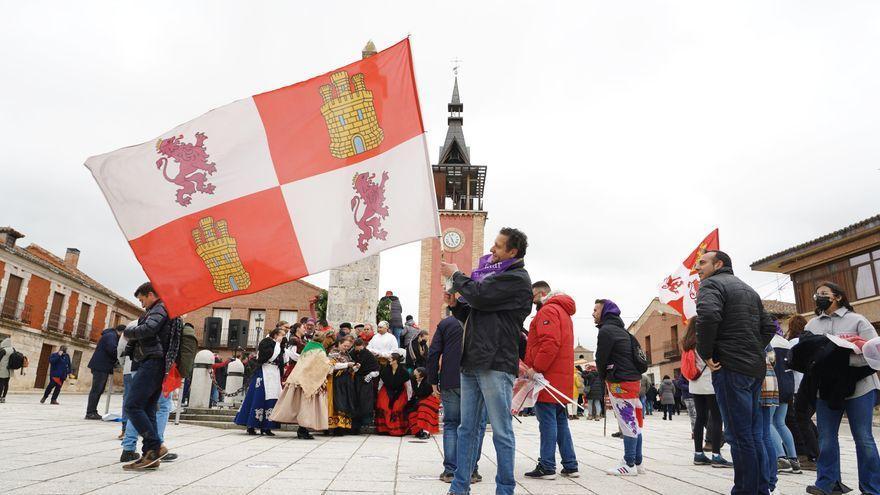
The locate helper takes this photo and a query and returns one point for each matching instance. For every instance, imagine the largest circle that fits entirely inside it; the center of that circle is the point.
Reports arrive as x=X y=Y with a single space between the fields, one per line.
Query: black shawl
x=394 y=382
x=825 y=366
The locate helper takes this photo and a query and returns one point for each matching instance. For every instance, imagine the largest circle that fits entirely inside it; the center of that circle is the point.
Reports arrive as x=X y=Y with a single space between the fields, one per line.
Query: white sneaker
x=640 y=468
x=623 y=470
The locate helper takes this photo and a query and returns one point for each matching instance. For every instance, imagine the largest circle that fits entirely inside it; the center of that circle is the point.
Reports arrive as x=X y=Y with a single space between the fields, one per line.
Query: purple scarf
x=485 y=269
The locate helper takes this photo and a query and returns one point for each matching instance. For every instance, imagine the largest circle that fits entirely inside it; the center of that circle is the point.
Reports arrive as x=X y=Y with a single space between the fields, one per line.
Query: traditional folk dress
x=264 y=388
x=423 y=409
x=364 y=390
x=340 y=392
x=304 y=398
x=390 y=402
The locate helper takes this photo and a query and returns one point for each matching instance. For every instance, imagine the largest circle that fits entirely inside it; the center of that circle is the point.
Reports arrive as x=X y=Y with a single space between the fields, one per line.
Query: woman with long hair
x=835 y=316
x=423 y=409
x=706 y=406
x=800 y=415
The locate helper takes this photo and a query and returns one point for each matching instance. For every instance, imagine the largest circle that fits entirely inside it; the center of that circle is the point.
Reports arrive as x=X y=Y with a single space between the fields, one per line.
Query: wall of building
x=658 y=328
x=291 y=296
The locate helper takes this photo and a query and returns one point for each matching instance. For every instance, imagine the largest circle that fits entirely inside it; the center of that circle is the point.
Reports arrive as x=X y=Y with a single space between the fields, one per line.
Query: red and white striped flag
x=679 y=290
x=274 y=187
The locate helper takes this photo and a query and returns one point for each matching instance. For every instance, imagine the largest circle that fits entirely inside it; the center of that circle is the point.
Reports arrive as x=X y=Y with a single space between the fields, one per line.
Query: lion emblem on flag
x=368 y=207
x=193 y=166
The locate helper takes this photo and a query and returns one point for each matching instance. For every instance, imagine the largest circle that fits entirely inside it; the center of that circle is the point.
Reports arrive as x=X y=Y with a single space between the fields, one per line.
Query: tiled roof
x=868 y=223
x=780 y=308
x=41 y=256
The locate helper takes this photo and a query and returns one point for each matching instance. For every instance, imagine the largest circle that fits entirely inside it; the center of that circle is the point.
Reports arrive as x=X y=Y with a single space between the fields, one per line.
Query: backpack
x=189 y=346
x=17 y=361
x=640 y=359
x=689 y=366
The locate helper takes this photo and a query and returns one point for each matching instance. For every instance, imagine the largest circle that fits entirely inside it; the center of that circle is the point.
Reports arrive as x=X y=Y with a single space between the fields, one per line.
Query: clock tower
x=459 y=188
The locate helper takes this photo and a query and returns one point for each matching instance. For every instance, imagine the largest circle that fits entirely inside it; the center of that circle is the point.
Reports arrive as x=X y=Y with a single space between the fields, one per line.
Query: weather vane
x=456 y=65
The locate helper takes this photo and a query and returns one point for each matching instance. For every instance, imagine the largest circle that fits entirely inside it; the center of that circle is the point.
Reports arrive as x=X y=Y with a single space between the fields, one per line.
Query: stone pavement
x=48 y=449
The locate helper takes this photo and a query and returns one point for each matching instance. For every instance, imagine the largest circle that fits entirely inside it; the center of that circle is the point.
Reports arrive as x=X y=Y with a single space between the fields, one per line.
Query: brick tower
x=459 y=187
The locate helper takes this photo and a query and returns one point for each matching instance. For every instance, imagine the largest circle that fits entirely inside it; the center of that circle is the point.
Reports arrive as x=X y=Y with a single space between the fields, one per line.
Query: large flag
x=679 y=290
x=271 y=188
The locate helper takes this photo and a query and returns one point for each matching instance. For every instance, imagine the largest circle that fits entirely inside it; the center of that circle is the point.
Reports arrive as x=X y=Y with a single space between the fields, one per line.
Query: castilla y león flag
x=271 y=188
x=679 y=290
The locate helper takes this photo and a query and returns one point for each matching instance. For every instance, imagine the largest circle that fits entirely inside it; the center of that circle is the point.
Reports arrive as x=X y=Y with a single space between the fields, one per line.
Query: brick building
x=849 y=257
x=262 y=310
x=46 y=302
x=660 y=328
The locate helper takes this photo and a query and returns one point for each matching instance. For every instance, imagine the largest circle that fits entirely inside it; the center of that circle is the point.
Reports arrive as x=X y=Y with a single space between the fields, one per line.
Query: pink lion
x=194 y=168
x=372 y=197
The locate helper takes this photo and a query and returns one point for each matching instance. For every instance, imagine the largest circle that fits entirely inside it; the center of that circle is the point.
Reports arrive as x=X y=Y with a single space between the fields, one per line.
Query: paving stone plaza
x=52 y=450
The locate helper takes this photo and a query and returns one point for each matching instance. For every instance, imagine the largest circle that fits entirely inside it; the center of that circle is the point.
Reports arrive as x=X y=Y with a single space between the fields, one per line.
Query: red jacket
x=550 y=348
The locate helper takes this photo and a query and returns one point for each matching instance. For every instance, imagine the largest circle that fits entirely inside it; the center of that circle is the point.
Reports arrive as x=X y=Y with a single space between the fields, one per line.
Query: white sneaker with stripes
x=623 y=470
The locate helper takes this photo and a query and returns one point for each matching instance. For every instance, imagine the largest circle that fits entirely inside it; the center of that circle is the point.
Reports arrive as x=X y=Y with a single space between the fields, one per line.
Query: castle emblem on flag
x=350 y=115
x=219 y=251
x=194 y=168
x=372 y=197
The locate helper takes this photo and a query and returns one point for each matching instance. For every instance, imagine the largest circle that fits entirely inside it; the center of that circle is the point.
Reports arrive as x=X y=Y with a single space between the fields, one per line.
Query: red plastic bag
x=689 y=365
x=172 y=381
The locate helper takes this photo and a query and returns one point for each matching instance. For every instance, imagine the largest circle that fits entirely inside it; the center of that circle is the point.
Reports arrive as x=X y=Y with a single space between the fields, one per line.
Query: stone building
x=660 y=328
x=849 y=257
x=46 y=302
x=255 y=312
x=459 y=185
x=582 y=355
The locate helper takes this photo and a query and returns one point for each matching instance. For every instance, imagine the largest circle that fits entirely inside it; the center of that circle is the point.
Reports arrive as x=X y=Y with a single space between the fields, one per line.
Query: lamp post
x=259 y=329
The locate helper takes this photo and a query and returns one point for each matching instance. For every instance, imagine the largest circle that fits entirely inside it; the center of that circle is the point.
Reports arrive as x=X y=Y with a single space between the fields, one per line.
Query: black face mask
x=823 y=303
x=538 y=305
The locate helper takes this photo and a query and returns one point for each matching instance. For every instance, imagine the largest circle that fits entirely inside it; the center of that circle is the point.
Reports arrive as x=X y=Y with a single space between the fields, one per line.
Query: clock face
x=453 y=239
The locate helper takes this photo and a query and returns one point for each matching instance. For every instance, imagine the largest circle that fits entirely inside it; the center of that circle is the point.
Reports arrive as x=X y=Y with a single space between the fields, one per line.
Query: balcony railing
x=671 y=351
x=55 y=323
x=83 y=330
x=12 y=309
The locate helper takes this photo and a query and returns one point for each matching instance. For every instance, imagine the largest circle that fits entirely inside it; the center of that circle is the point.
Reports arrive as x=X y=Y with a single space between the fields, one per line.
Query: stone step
x=229 y=425
x=206 y=417
x=211 y=412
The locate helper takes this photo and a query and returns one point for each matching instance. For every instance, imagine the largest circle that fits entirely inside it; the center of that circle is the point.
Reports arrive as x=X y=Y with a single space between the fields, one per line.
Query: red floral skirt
x=390 y=419
x=426 y=416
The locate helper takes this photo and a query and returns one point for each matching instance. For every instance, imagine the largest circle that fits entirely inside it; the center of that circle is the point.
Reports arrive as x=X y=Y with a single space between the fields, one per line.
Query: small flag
x=277 y=186
x=679 y=290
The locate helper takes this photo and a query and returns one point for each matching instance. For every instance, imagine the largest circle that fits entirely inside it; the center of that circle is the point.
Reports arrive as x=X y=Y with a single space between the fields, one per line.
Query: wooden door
x=55 y=322
x=10 y=299
x=43 y=366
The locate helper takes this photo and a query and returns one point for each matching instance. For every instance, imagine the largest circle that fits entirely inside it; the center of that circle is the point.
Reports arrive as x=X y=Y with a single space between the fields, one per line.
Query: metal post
x=108 y=387
x=179 y=393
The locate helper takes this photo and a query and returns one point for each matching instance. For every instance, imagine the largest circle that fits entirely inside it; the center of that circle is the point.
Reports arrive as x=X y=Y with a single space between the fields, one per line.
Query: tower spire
x=454 y=149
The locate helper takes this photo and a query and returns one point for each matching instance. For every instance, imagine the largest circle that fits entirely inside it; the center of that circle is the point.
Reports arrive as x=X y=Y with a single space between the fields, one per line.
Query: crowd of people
x=744 y=381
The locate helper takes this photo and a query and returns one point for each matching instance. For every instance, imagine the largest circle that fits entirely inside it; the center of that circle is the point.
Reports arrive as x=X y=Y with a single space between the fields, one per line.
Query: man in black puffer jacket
x=495 y=301
x=732 y=332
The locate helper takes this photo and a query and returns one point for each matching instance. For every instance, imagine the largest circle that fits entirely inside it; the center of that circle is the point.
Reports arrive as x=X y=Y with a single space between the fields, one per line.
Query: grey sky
x=617 y=134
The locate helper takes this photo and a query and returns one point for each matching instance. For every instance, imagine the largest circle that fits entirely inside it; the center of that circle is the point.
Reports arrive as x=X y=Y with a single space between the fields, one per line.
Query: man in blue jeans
x=147 y=345
x=550 y=352
x=445 y=377
x=129 y=441
x=495 y=301
x=732 y=332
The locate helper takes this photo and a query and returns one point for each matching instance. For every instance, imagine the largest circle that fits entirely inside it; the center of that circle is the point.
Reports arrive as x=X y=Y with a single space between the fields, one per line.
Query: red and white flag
x=679 y=290
x=274 y=187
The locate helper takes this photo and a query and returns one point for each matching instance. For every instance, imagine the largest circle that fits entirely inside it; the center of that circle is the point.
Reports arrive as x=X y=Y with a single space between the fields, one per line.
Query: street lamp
x=259 y=329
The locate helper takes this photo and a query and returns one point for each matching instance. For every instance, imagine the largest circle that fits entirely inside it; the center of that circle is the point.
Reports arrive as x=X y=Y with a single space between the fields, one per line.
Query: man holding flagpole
x=495 y=301
x=550 y=352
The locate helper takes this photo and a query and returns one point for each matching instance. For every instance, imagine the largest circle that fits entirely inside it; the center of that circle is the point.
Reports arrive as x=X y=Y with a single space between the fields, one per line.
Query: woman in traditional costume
x=265 y=385
x=341 y=401
x=390 y=402
x=423 y=408
x=304 y=399
x=365 y=371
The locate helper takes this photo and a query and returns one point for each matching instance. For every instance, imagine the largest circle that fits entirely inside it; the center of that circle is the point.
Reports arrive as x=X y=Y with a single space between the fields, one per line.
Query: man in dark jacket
x=59 y=370
x=616 y=366
x=732 y=332
x=102 y=363
x=445 y=378
x=147 y=344
x=493 y=308
x=395 y=321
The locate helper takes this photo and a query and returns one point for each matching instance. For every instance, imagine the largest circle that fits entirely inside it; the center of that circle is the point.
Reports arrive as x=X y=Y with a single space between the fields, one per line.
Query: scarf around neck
x=486 y=269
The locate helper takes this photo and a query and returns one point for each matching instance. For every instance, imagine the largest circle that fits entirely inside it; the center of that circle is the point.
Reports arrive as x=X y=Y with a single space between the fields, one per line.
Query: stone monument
x=354 y=288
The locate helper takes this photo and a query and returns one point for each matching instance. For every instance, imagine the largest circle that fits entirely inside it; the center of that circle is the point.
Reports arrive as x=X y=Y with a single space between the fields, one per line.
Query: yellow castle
x=220 y=253
x=350 y=116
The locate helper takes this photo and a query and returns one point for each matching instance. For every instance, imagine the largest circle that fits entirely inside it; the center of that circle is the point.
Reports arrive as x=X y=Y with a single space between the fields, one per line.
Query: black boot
x=251 y=431
x=268 y=433
x=304 y=434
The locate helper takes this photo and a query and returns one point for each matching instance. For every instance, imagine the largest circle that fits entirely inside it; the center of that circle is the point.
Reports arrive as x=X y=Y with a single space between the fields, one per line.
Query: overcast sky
x=617 y=134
